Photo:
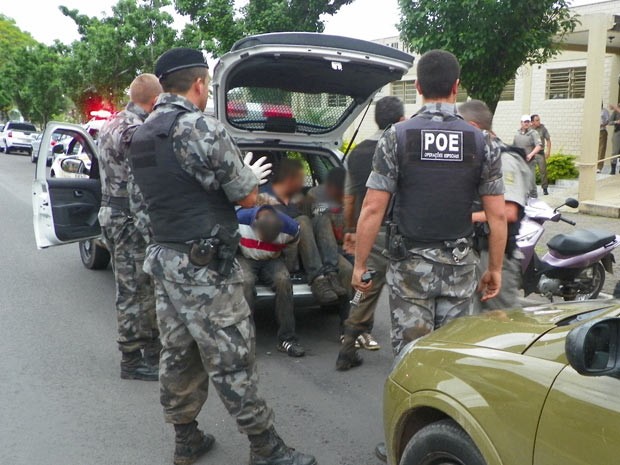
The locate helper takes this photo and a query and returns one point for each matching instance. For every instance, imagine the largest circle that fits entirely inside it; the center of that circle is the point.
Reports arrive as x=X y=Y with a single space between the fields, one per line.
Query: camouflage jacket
x=204 y=150
x=113 y=166
x=385 y=174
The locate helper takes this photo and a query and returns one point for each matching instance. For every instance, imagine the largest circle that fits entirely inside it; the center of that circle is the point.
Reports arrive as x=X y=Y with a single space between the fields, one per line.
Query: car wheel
x=33 y=158
x=94 y=257
x=441 y=443
x=7 y=150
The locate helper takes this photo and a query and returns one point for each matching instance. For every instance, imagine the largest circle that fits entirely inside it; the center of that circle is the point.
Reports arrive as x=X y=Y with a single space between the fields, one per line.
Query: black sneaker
x=336 y=286
x=545 y=192
x=323 y=291
x=292 y=348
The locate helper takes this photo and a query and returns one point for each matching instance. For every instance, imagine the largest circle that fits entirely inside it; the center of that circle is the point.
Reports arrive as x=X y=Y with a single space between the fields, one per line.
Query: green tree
x=114 y=49
x=12 y=42
x=491 y=38
x=220 y=25
x=40 y=93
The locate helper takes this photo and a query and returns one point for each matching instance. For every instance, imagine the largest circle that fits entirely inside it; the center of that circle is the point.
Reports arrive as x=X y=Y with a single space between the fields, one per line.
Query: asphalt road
x=63 y=402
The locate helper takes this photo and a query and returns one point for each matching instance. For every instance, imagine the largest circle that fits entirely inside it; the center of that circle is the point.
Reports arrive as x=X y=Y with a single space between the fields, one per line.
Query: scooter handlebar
x=572 y=223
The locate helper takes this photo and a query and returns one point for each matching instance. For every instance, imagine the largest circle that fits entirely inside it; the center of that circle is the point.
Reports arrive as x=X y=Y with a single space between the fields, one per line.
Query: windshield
x=278 y=110
x=22 y=127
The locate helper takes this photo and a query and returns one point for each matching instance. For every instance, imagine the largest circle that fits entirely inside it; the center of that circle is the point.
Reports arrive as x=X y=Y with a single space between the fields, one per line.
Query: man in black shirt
x=358 y=327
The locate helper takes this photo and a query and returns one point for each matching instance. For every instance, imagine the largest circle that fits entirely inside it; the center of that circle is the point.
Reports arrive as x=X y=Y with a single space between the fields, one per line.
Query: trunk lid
x=301 y=88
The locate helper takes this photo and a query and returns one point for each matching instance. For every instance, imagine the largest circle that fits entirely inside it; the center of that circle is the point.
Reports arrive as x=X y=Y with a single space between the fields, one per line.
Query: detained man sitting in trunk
x=285 y=193
x=265 y=233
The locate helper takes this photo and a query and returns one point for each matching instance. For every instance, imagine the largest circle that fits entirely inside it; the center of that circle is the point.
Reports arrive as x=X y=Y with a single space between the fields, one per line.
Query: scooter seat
x=580 y=241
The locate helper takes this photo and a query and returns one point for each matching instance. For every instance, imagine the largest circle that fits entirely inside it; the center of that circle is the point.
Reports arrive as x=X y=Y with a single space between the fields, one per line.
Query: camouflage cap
x=177 y=59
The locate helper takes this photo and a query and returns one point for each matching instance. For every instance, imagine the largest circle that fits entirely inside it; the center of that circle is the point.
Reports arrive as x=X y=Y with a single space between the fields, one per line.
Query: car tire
x=441 y=443
x=94 y=257
x=33 y=159
x=7 y=150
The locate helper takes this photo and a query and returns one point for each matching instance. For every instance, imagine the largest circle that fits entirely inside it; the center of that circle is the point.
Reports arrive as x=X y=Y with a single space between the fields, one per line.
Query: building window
x=405 y=90
x=566 y=83
x=337 y=100
x=395 y=45
x=509 y=91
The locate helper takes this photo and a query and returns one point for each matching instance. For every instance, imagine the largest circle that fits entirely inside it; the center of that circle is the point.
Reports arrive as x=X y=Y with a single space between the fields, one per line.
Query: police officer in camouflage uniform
x=191 y=175
x=135 y=294
x=435 y=165
x=517 y=180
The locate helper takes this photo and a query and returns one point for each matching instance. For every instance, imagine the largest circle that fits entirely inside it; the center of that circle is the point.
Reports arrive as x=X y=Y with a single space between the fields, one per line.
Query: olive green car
x=537 y=386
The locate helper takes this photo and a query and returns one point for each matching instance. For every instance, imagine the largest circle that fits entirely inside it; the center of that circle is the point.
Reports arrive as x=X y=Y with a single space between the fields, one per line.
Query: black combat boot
x=133 y=366
x=348 y=357
x=151 y=353
x=191 y=443
x=269 y=449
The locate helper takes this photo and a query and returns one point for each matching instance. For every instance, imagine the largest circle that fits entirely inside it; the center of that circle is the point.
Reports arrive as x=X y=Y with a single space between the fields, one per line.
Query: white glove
x=261 y=169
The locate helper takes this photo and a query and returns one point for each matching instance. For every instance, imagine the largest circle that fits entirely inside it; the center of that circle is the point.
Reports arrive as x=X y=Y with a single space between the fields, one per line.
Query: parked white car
x=17 y=136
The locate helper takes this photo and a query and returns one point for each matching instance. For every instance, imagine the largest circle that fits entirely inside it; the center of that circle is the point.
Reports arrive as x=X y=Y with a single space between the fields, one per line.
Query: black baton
x=359 y=295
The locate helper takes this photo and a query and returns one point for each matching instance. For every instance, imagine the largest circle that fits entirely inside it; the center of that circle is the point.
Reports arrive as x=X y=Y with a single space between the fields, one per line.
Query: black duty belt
x=121 y=203
x=177 y=246
x=447 y=244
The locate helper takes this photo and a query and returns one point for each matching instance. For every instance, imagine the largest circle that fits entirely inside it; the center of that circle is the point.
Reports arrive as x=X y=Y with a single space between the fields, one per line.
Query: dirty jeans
x=361 y=317
x=311 y=248
x=272 y=273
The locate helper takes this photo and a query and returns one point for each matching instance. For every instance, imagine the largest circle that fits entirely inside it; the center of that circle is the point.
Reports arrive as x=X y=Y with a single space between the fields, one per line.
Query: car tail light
x=236 y=110
x=10 y=134
x=53 y=142
x=277 y=111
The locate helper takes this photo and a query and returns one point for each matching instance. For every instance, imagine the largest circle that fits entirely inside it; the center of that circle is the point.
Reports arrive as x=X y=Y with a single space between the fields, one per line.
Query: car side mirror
x=58 y=149
x=593 y=349
x=73 y=166
x=573 y=203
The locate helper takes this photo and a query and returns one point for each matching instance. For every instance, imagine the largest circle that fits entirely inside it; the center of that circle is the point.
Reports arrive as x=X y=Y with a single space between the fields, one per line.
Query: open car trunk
x=301 y=88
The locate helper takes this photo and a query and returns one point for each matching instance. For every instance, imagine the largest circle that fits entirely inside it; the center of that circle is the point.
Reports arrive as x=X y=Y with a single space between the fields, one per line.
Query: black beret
x=177 y=59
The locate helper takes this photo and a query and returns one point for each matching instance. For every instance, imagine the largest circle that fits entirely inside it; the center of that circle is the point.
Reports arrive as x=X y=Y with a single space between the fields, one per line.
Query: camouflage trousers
x=206 y=333
x=425 y=294
x=135 y=294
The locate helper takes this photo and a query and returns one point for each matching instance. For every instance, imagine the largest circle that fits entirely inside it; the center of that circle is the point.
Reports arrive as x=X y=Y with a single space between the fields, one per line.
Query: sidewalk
x=607 y=203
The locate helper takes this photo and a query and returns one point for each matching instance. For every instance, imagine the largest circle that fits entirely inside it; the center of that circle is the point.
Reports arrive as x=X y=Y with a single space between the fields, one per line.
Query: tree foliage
x=491 y=38
x=12 y=42
x=220 y=25
x=114 y=49
x=40 y=93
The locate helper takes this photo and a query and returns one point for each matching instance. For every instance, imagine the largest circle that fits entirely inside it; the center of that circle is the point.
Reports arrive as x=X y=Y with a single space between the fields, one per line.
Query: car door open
x=65 y=204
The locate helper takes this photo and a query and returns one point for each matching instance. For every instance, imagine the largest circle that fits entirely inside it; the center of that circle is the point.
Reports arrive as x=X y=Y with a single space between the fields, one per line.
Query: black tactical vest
x=180 y=209
x=440 y=164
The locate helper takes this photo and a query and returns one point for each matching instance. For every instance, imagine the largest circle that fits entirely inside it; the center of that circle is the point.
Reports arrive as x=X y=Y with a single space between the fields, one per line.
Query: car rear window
x=277 y=110
x=22 y=127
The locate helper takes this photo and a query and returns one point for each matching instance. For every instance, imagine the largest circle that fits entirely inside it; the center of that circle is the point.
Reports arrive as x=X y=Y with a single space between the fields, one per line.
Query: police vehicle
x=279 y=95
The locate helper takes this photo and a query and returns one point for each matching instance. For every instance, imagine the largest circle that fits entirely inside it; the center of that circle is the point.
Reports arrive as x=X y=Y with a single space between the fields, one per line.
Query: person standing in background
x=544 y=154
x=615 y=141
x=528 y=139
x=602 y=138
x=138 y=337
x=358 y=327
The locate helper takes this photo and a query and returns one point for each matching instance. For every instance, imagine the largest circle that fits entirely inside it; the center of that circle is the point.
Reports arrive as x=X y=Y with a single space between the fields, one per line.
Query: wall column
x=597 y=26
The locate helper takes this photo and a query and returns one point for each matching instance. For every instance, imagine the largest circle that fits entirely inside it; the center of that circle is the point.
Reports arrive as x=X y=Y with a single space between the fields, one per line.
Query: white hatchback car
x=279 y=95
x=18 y=136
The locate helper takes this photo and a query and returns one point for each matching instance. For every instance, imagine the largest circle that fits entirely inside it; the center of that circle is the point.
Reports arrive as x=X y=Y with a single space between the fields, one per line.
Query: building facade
x=554 y=90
